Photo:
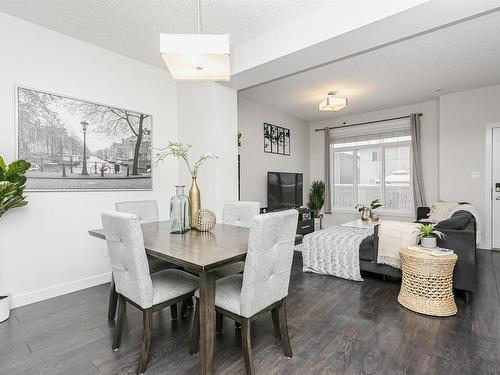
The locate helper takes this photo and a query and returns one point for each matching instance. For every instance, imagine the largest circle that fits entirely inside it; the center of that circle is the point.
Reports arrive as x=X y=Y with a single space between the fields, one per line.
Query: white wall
x=429 y=128
x=462 y=126
x=207 y=116
x=45 y=249
x=255 y=163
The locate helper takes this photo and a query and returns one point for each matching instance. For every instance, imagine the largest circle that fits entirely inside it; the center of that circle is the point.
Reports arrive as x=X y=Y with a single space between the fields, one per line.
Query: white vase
x=428 y=242
x=317 y=224
x=4 y=306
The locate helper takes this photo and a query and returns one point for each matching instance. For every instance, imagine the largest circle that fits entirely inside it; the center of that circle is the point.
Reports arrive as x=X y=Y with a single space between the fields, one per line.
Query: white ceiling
x=459 y=57
x=132 y=27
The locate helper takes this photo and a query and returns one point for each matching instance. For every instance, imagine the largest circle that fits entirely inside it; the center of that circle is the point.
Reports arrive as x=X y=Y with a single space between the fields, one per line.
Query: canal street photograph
x=79 y=145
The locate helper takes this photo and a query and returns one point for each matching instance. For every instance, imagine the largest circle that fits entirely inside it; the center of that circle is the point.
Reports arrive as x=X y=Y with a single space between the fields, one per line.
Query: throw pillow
x=441 y=211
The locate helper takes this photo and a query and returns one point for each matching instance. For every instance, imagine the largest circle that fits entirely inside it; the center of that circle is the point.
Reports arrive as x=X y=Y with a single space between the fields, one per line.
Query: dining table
x=200 y=253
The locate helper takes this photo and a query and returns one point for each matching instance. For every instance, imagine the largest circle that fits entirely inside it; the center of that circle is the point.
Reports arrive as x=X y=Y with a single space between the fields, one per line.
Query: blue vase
x=179 y=211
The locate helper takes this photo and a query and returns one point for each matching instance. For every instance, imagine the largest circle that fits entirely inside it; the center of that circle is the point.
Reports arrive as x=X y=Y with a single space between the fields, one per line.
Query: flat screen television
x=284 y=190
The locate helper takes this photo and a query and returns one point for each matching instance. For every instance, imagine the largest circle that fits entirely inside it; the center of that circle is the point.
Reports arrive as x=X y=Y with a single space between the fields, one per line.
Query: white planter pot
x=4 y=306
x=428 y=242
x=317 y=224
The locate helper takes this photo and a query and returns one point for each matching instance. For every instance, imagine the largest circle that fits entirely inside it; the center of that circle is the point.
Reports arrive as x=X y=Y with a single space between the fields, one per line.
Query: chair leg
x=147 y=318
x=246 y=343
x=276 y=323
x=185 y=307
x=468 y=297
x=195 y=331
x=122 y=311
x=173 y=311
x=284 y=329
x=219 y=323
x=113 y=299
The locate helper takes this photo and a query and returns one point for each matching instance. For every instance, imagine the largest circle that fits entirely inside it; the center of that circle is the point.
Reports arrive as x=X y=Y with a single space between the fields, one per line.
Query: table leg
x=207 y=322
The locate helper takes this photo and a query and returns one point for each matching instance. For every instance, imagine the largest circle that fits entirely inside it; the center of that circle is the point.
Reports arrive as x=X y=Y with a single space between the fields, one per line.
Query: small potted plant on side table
x=427 y=235
x=12 y=184
x=316 y=202
x=367 y=213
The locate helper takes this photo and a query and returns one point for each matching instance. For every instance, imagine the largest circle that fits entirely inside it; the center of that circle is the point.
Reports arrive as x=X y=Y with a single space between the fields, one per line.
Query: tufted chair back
x=128 y=257
x=146 y=211
x=269 y=260
x=240 y=213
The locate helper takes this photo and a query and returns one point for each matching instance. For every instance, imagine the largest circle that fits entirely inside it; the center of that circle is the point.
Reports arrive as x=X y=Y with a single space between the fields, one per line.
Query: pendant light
x=332 y=102
x=196 y=56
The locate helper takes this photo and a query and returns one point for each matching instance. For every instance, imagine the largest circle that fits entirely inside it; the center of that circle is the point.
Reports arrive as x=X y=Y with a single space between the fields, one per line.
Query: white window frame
x=380 y=146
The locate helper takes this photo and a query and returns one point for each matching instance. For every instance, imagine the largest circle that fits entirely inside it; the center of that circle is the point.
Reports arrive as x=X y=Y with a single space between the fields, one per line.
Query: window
x=373 y=163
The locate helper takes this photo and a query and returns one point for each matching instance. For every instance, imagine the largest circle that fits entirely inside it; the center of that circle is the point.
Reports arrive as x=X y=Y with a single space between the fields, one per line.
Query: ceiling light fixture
x=196 y=56
x=332 y=102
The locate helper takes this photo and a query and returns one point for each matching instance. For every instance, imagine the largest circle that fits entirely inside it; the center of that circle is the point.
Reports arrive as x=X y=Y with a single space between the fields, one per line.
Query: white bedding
x=334 y=251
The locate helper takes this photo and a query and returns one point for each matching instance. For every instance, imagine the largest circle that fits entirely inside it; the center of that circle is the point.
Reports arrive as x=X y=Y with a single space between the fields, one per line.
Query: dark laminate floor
x=336 y=327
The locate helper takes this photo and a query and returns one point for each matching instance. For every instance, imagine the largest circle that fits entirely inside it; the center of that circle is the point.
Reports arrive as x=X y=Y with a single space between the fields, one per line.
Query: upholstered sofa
x=460 y=231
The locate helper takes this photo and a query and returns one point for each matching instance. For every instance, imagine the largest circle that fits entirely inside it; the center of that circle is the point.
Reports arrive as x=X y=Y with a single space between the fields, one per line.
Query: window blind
x=386 y=132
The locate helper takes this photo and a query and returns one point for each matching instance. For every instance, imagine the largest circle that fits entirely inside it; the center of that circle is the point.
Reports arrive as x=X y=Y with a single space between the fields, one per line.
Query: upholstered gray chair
x=147 y=212
x=134 y=283
x=239 y=213
x=264 y=284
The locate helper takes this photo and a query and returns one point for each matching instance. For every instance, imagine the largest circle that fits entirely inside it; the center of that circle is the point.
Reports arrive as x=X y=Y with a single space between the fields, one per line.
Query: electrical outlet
x=475 y=175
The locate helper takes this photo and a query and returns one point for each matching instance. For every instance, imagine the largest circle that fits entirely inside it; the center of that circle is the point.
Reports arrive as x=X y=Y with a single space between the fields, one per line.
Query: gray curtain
x=328 y=200
x=418 y=178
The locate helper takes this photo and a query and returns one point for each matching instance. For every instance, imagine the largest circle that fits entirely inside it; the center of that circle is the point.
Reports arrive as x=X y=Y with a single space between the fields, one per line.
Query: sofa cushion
x=458 y=221
x=367 y=249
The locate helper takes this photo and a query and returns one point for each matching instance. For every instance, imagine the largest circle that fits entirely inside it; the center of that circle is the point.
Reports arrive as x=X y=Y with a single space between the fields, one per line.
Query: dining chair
x=147 y=212
x=239 y=213
x=263 y=287
x=133 y=281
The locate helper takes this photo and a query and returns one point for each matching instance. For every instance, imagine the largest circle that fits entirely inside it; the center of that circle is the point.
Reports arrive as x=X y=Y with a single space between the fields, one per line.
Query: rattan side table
x=427 y=284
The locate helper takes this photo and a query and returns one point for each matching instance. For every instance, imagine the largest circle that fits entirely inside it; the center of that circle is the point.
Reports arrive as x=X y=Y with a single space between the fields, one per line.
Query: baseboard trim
x=58 y=290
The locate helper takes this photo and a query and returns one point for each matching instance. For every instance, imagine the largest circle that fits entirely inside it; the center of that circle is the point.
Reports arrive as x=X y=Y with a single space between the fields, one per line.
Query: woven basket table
x=427 y=284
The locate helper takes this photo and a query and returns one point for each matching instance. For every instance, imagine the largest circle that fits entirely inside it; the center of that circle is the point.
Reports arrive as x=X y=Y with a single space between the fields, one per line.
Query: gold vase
x=194 y=199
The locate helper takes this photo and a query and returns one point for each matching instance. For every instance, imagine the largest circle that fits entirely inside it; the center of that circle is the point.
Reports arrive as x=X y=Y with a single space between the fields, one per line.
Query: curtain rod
x=366 y=123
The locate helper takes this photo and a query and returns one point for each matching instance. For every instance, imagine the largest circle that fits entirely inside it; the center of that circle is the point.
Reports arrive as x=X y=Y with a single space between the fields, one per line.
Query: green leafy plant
x=316 y=197
x=180 y=151
x=429 y=231
x=373 y=205
x=12 y=184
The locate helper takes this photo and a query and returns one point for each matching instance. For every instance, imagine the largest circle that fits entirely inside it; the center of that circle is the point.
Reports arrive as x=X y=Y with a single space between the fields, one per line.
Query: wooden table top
x=197 y=251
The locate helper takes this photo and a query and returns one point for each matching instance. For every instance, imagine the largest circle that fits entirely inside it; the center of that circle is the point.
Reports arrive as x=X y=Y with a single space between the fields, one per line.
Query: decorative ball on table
x=204 y=220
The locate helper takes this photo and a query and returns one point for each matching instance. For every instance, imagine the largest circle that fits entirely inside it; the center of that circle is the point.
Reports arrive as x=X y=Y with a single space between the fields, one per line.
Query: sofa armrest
x=423 y=213
x=463 y=243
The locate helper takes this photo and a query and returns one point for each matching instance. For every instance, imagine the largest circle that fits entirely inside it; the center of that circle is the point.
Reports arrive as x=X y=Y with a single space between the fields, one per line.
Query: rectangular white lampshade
x=196 y=56
x=333 y=103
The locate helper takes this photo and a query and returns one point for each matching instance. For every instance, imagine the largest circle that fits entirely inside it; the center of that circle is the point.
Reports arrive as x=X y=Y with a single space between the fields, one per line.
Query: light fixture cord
x=199 y=16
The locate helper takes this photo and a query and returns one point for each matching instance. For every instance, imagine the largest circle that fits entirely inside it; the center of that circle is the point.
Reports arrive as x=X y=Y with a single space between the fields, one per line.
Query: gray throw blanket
x=334 y=251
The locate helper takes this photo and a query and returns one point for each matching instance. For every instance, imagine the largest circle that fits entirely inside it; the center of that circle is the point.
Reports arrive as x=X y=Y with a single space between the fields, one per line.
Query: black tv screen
x=284 y=190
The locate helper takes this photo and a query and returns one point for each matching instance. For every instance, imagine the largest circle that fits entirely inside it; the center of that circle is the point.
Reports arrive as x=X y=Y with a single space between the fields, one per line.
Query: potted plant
x=12 y=184
x=316 y=201
x=367 y=212
x=427 y=235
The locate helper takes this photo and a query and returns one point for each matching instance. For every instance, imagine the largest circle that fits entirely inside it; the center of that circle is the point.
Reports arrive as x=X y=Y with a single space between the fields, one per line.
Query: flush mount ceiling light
x=332 y=102
x=196 y=56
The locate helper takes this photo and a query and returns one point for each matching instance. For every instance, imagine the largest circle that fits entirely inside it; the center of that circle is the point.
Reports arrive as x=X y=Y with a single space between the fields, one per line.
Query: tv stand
x=305 y=224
